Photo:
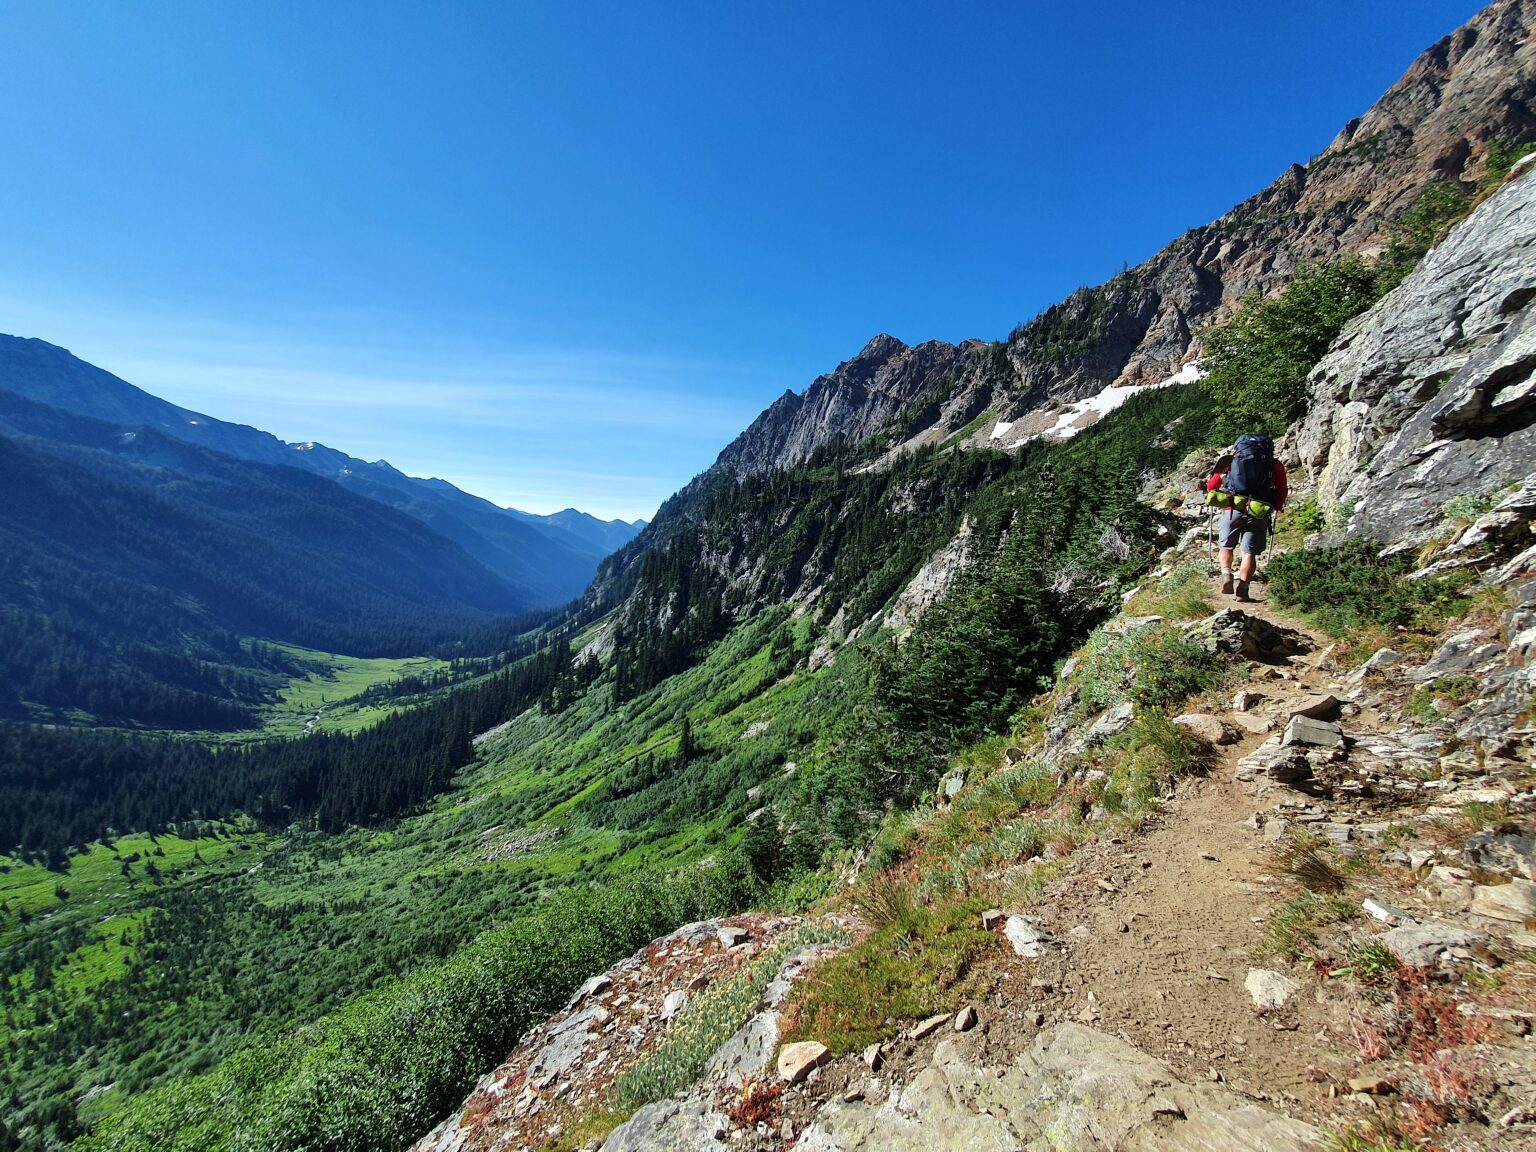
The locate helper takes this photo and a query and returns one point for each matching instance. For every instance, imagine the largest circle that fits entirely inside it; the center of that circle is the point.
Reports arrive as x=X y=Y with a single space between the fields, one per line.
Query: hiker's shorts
x=1243 y=533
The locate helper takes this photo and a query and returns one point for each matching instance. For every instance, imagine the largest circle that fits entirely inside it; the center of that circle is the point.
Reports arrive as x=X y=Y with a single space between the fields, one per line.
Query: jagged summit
x=882 y=347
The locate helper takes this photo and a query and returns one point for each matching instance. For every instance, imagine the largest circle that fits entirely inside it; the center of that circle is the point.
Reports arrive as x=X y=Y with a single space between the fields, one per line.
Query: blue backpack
x=1253 y=468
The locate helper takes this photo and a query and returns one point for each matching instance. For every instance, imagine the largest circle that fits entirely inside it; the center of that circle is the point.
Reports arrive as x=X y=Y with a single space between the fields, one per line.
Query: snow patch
x=1000 y=429
x=1073 y=421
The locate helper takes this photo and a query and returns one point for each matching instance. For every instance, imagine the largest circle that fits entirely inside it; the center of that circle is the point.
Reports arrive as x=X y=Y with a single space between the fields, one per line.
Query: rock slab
x=797 y=1061
x=1028 y=939
x=1270 y=990
x=1077 y=1090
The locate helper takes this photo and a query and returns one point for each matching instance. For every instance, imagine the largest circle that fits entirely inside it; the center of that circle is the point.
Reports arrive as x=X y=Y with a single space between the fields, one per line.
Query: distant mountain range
x=143 y=545
x=546 y=560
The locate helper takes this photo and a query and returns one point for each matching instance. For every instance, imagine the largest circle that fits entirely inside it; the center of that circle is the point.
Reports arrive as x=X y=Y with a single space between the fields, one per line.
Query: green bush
x=1145 y=759
x=1258 y=363
x=1153 y=666
x=1304 y=517
x=1353 y=585
x=1424 y=225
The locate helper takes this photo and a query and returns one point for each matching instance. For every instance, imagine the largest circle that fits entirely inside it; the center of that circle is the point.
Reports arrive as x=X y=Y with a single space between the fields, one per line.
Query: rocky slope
x=1435 y=124
x=1432 y=395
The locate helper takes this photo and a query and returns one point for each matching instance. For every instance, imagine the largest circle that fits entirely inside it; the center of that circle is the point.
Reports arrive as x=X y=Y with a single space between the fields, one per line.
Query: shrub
x=1144 y=759
x=1153 y=667
x=1303 y=517
x=1424 y=225
x=1371 y=963
x=1353 y=585
x=1257 y=364
x=390 y=1062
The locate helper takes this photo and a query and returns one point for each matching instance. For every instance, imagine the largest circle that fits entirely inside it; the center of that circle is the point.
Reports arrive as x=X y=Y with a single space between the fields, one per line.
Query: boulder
x=1206 y=727
x=1028 y=939
x=1233 y=632
x=1380 y=661
x=1451 y=888
x=1284 y=765
x=1112 y=722
x=1319 y=706
x=1464 y=653
x=1270 y=990
x=1254 y=725
x=797 y=1061
x=965 y=1019
x=1511 y=851
x=731 y=936
x=1421 y=944
x=747 y=1054
x=1312 y=733
x=1514 y=901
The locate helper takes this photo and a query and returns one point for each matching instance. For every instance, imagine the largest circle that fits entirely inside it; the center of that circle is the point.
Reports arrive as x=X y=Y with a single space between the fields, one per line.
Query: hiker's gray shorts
x=1243 y=533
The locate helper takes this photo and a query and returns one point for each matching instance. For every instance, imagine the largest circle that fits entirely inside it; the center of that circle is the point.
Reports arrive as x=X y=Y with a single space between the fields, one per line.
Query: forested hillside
x=137 y=568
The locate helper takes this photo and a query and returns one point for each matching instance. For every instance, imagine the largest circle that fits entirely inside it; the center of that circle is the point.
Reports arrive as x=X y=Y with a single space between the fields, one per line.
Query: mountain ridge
x=551 y=557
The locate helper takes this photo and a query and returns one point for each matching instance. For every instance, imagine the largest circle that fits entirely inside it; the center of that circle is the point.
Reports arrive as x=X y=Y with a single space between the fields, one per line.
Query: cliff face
x=1431 y=395
x=1435 y=124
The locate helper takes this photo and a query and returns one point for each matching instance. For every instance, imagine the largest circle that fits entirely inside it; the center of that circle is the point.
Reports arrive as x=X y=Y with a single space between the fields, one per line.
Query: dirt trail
x=1161 y=929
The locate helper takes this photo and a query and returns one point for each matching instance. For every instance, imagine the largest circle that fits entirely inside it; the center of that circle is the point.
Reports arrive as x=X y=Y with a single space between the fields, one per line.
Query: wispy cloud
x=536 y=426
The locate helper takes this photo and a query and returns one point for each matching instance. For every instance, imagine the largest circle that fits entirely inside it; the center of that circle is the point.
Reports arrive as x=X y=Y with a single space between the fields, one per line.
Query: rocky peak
x=881 y=348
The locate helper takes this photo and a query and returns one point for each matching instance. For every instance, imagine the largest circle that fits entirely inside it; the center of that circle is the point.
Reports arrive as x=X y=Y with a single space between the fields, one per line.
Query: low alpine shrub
x=1352 y=586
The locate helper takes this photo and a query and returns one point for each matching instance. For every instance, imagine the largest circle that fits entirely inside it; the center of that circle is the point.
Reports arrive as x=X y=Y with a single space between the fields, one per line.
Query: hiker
x=1251 y=490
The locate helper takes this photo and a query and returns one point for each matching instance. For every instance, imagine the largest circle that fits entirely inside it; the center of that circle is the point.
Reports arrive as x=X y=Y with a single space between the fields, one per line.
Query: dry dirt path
x=1161 y=929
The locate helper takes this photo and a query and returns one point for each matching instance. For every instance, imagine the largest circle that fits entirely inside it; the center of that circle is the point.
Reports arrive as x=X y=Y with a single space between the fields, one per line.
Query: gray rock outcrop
x=1078 y=1090
x=1435 y=387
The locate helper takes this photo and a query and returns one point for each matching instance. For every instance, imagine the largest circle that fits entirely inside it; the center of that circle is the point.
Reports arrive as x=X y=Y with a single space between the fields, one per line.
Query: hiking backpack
x=1253 y=468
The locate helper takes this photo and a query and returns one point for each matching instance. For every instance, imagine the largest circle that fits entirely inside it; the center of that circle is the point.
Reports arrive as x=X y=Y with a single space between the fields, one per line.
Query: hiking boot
x=1242 y=591
x=1226 y=583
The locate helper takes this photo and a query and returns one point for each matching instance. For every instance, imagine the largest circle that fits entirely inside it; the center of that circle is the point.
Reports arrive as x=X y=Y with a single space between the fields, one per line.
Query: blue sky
x=560 y=254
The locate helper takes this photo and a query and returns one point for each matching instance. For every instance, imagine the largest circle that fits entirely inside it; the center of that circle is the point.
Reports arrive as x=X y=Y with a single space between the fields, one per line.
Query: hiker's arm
x=1282 y=485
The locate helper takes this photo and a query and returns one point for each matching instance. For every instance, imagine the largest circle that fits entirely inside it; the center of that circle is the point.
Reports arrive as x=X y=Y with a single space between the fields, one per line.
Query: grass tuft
x=1290 y=933
x=1310 y=866
x=903 y=971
